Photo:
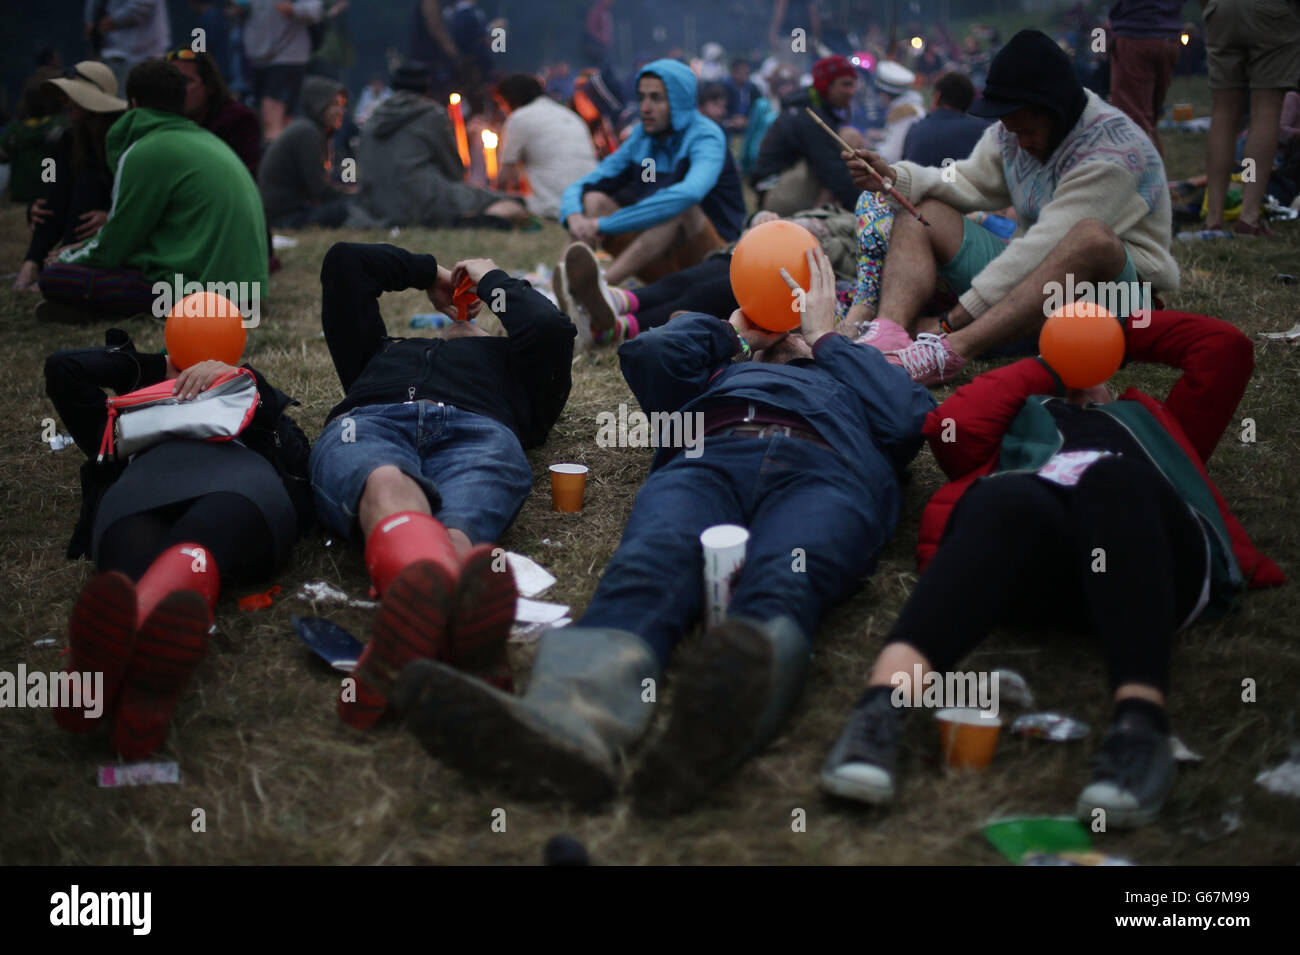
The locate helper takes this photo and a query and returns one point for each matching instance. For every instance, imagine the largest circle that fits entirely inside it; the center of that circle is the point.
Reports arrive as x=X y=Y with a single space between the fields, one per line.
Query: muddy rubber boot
x=563 y=737
x=726 y=707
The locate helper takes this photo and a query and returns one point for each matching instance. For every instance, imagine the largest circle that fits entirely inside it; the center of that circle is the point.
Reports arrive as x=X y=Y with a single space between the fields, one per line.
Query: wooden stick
x=898 y=196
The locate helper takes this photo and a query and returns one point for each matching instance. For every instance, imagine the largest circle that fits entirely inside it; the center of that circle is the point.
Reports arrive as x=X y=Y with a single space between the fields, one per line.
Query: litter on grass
x=138 y=774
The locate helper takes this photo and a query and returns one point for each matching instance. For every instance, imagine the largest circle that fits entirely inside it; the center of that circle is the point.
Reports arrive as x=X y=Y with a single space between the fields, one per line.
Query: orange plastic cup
x=1182 y=112
x=968 y=737
x=568 y=482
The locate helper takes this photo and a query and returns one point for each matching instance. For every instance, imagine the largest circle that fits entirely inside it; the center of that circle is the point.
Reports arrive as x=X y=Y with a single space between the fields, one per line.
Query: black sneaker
x=1132 y=774
x=861 y=763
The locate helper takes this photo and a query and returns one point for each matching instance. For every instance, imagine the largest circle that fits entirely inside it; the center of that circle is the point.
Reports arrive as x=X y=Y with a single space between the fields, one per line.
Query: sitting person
x=209 y=103
x=803 y=445
x=782 y=84
x=183 y=204
x=34 y=134
x=901 y=105
x=410 y=170
x=742 y=94
x=1090 y=199
x=1041 y=479
x=294 y=177
x=423 y=460
x=74 y=206
x=543 y=141
x=799 y=164
x=606 y=315
x=670 y=195
x=713 y=102
x=165 y=528
x=946 y=132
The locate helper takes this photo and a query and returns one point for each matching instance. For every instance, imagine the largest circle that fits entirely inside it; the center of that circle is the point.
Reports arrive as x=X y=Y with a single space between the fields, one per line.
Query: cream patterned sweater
x=1105 y=169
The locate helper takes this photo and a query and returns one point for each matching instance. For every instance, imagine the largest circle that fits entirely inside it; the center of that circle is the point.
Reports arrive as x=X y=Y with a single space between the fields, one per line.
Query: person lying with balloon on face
x=1047 y=473
x=165 y=525
x=803 y=446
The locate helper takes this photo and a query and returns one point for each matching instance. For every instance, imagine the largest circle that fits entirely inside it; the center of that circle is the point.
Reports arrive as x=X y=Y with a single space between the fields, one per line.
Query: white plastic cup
x=724 y=556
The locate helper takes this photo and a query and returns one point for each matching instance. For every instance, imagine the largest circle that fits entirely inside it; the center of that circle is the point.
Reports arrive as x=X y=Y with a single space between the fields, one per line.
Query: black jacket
x=794 y=135
x=75 y=380
x=521 y=380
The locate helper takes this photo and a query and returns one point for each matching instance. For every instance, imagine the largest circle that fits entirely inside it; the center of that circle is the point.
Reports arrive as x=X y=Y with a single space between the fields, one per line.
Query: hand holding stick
x=897 y=196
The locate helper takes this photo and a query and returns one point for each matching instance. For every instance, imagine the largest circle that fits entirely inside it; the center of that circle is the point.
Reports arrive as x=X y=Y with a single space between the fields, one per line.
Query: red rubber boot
x=101 y=636
x=483 y=611
x=174 y=603
x=413 y=566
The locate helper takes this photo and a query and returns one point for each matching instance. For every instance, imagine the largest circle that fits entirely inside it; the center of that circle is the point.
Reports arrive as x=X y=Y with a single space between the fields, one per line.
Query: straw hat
x=93 y=87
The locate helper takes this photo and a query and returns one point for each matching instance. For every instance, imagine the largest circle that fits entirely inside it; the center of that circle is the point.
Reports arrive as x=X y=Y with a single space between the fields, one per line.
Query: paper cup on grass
x=1182 y=112
x=968 y=737
x=724 y=556
x=568 y=481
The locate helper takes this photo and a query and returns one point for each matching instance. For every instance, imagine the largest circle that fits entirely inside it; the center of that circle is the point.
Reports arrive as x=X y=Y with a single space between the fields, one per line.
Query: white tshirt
x=554 y=146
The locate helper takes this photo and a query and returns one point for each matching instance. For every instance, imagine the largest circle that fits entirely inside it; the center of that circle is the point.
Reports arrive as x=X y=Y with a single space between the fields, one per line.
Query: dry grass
x=282 y=781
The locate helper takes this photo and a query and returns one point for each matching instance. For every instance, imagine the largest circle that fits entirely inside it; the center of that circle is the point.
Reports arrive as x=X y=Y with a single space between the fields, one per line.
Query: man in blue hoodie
x=803 y=446
x=670 y=194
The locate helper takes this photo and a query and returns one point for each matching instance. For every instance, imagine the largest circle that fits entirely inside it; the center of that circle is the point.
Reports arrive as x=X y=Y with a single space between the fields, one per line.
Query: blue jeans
x=471 y=467
x=814 y=536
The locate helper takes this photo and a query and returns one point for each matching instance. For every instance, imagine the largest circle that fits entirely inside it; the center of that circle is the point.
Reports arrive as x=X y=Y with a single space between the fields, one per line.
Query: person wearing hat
x=410 y=169
x=184 y=210
x=798 y=165
x=1090 y=197
x=903 y=107
x=75 y=204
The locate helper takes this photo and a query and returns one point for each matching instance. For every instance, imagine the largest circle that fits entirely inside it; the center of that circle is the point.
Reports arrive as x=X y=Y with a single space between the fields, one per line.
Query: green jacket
x=183 y=203
x=25 y=144
x=1033 y=438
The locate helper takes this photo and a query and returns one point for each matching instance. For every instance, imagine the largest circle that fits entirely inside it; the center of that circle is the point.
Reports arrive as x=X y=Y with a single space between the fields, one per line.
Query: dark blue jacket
x=942 y=134
x=868 y=410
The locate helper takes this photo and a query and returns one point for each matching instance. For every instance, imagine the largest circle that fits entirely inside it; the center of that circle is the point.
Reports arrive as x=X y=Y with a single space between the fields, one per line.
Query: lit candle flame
x=455 y=98
x=490 y=154
x=917 y=43
x=1185 y=38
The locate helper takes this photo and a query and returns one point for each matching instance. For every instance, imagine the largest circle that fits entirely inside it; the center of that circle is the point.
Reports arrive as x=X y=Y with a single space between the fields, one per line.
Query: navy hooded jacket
x=868 y=410
x=691 y=166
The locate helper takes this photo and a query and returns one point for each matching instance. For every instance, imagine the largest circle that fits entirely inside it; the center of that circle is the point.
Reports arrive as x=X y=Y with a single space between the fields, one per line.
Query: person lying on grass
x=1042 y=481
x=1090 y=197
x=803 y=445
x=165 y=528
x=423 y=460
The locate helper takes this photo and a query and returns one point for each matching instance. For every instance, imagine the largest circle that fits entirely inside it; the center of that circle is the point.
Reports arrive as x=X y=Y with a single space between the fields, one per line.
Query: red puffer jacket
x=1216 y=360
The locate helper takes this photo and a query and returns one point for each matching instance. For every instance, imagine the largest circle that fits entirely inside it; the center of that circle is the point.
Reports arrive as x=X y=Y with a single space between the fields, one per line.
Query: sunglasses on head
x=185 y=54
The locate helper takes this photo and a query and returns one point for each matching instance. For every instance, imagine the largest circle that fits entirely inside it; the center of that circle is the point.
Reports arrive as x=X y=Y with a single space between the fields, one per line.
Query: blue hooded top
x=691 y=165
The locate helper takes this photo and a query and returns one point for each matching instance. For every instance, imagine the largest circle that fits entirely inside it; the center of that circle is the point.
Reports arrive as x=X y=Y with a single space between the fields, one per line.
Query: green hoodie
x=183 y=202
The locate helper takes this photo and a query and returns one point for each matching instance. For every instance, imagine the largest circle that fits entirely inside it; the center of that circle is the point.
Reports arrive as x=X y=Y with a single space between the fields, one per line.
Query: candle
x=458 y=121
x=490 y=155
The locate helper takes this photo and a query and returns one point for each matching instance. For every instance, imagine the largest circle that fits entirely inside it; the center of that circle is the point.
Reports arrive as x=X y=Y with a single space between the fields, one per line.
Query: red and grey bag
x=143 y=418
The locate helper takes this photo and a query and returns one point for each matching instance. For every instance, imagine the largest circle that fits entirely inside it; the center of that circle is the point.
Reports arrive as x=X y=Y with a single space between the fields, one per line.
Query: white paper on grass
x=530 y=577
x=539 y=611
x=1283 y=779
x=1292 y=334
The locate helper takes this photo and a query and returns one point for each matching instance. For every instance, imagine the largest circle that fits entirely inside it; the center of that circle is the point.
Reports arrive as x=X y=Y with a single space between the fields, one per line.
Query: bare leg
x=1090 y=251
x=510 y=209
x=1225 y=114
x=389 y=491
x=654 y=242
x=911 y=264
x=1261 y=145
x=898 y=658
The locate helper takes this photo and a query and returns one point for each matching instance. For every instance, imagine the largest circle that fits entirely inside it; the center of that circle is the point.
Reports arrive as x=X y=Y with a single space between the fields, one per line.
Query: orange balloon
x=1084 y=344
x=204 y=326
x=756 y=267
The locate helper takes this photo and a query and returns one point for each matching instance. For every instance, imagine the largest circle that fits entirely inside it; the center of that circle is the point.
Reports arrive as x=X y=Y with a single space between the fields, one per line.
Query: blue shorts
x=471 y=467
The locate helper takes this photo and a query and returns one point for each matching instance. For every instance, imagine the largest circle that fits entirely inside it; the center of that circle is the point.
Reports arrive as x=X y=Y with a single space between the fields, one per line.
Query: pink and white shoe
x=885 y=335
x=929 y=360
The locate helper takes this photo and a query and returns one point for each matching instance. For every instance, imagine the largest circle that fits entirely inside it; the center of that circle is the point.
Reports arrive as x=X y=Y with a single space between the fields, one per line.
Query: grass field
x=282 y=781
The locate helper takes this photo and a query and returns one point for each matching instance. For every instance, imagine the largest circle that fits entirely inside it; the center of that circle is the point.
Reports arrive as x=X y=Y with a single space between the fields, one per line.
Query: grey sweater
x=271 y=39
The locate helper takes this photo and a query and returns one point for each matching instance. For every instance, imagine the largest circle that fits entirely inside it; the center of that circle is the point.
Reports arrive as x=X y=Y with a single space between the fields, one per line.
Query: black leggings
x=1019 y=549
x=701 y=288
x=228 y=525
